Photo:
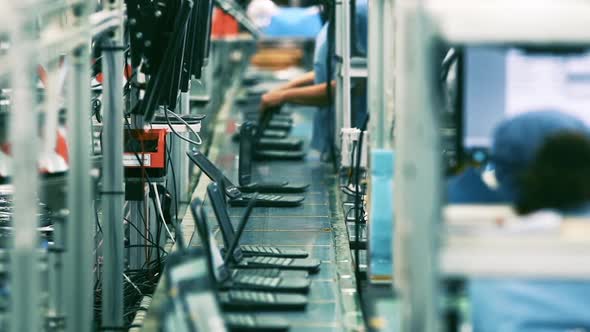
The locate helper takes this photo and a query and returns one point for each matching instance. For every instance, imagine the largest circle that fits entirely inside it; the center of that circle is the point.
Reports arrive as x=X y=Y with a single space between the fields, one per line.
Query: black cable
x=144 y=246
x=149 y=233
x=141 y=164
x=331 y=7
x=143 y=220
x=358 y=203
x=352 y=159
x=159 y=225
x=155 y=245
x=177 y=232
x=144 y=173
x=97 y=220
x=149 y=284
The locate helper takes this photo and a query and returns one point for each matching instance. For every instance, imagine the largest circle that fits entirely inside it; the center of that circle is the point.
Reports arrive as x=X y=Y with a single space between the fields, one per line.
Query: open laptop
x=262 y=256
x=236 y=197
x=265 y=123
x=242 y=298
x=240 y=279
x=248 y=132
x=193 y=303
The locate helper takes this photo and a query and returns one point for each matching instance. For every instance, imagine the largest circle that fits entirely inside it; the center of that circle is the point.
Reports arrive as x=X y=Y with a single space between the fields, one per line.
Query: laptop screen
x=500 y=82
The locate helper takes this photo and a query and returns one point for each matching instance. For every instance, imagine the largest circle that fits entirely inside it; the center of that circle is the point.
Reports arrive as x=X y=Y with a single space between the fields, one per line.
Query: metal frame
x=75 y=235
x=343 y=114
x=78 y=278
x=113 y=189
x=178 y=185
x=380 y=104
x=24 y=261
x=381 y=70
x=417 y=172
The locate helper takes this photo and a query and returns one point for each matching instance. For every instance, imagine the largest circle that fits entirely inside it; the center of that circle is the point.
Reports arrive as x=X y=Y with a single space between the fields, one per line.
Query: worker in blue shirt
x=541 y=161
x=514 y=144
x=312 y=88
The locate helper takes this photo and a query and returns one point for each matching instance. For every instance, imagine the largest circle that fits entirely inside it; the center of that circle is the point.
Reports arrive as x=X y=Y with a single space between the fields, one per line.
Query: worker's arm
x=313 y=95
x=303 y=80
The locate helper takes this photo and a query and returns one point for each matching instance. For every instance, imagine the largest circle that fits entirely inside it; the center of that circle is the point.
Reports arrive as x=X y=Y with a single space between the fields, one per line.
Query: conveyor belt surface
x=309 y=226
x=316 y=226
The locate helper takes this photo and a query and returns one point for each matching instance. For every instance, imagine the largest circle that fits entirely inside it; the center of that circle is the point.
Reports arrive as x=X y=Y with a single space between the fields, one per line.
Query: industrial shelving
x=426 y=246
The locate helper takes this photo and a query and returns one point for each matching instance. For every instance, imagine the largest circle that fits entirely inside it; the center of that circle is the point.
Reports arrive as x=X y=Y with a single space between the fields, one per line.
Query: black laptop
x=273 y=257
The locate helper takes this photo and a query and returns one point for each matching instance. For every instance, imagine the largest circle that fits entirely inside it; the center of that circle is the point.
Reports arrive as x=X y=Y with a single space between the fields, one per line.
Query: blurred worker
x=261 y=12
x=542 y=161
x=514 y=145
x=289 y=22
x=559 y=176
x=312 y=88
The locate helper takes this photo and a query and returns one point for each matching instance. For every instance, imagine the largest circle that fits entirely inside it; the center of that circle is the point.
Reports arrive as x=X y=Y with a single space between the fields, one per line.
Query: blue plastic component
x=381 y=213
x=294 y=22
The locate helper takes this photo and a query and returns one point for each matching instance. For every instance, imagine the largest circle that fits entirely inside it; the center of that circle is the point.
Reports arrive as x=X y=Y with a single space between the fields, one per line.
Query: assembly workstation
x=295 y=165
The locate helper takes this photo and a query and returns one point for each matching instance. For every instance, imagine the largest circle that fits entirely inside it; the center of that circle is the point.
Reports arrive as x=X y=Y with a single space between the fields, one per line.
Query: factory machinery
x=143 y=190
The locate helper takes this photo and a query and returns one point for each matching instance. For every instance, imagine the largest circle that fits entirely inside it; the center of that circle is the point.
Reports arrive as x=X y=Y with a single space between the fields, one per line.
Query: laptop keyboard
x=261 y=250
x=257 y=281
x=267 y=197
x=264 y=197
x=250 y=296
x=240 y=320
x=278 y=261
x=265 y=273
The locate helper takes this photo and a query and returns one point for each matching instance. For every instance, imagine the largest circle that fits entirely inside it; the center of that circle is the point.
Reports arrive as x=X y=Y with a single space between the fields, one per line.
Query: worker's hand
x=272 y=99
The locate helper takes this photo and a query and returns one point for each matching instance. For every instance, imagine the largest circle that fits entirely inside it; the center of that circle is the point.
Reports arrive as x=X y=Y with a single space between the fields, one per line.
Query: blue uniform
x=294 y=22
x=522 y=305
x=323 y=124
x=512 y=305
x=469 y=188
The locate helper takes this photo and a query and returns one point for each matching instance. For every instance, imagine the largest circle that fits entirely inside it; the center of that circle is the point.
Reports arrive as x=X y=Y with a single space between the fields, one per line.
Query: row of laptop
x=213 y=288
x=238 y=280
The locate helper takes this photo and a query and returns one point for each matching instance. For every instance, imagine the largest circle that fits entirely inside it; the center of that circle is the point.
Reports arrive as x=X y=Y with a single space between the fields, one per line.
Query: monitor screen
x=500 y=82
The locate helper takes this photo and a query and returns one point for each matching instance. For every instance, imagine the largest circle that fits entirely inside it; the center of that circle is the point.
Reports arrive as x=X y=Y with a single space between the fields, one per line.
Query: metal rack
x=380 y=88
x=30 y=46
x=342 y=52
x=422 y=255
x=348 y=68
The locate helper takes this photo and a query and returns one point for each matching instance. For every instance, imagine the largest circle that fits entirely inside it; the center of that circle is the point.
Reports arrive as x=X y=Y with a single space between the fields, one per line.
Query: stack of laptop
x=270 y=137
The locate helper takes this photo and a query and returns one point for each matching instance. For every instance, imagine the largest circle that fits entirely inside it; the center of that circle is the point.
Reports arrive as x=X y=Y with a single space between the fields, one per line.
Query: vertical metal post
x=78 y=258
x=56 y=269
x=113 y=188
x=24 y=261
x=380 y=102
x=381 y=66
x=345 y=70
x=177 y=177
x=342 y=112
x=376 y=71
x=79 y=235
x=417 y=174
x=389 y=25
x=183 y=163
x=338 y=52
x=137 y=216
